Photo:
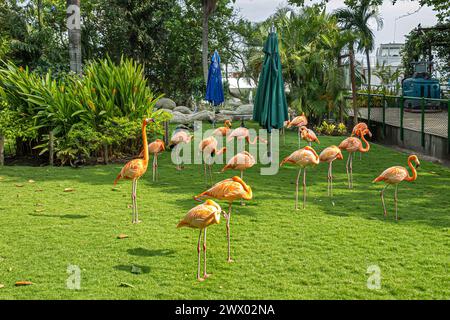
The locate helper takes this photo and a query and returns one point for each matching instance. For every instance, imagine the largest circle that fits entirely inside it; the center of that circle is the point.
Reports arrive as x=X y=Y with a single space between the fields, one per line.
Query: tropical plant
x=355 y=18
x=389 y=77
x=108 y=103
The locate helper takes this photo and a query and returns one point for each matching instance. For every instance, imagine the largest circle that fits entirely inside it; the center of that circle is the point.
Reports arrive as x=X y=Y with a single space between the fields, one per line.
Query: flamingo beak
x=417 y=164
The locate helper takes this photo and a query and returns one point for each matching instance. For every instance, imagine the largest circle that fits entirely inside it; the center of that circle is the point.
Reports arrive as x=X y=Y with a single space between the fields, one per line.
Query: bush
x=85 y=115
x=331 y=129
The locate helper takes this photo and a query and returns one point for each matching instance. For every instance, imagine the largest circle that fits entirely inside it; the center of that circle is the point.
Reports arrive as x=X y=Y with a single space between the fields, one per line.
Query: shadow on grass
x=142 y=252
x=133 y=268
x=61 y=216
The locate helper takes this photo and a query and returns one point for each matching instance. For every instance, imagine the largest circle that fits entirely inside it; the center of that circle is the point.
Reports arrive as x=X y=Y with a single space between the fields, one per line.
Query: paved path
x=435 y=123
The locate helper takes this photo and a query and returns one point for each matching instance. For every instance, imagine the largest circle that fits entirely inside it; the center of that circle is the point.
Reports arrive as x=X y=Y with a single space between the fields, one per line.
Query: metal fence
x=424 y=115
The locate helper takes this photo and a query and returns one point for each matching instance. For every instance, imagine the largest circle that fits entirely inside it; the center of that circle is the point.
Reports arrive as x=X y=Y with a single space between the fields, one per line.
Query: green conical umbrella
x=270 y=108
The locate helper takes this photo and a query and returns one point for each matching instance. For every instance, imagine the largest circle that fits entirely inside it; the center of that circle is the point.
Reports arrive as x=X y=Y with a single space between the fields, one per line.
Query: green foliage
x=105 y=107
x=418 y=42
x=331 y=129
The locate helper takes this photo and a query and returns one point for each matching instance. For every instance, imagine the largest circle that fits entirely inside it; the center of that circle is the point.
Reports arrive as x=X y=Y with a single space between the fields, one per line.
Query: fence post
x=368 y=109
x=384 y=115
x=422 y=124
x=402 y=106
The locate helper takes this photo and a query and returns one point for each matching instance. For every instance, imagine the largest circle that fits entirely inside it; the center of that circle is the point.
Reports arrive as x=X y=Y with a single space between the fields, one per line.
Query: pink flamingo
x=328 y=155
x=155 y=148
x=358 y=129
x=223 y=131
x=299 y=121
x=243 y=133
x=208 y=147
x=303 y=158
x=351 y=145
x=228 y=190
x=201 y=217
x=242 y=161
x=178 y=138
x=135 y=169
x=308 y=135
x=395 y=175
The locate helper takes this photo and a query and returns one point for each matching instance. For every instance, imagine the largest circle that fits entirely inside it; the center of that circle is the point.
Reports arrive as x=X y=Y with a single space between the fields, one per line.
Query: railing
x=425 y=115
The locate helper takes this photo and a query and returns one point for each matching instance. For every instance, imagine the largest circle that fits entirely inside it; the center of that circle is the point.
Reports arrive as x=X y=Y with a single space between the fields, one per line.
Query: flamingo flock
x=235 y=188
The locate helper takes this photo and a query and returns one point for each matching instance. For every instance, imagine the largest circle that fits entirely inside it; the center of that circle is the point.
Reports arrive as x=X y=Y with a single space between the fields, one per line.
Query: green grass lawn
x=322 y=252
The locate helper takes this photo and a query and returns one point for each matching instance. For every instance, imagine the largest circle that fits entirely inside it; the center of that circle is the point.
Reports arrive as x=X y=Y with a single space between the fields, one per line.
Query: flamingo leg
x=153 y=168
x=210 y=173
x=133 y=199
x=328 y=179
x=396 y=201
x=198 y=258
x=331 y=178
x=156 y=170
x=382 y=199
x=228 y=232
x=348 y=173
x=242 y=177
x=206 y=175
x=360 y=156
x=205 y=275
x=299 y=139
x=296 y=188
x=304 y=188
x=135 y=203
x=351 y=171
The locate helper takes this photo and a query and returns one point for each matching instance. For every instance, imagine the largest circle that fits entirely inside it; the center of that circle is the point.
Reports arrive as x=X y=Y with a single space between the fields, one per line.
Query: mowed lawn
x=322 y=252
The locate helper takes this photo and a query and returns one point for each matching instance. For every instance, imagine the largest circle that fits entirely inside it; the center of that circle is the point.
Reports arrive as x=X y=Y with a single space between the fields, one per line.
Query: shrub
x=103 y=108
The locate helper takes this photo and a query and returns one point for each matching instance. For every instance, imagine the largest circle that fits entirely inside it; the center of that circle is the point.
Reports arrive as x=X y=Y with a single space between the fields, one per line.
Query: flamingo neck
x=221 y=151
x=367 y=148
x=251 y=142
x=414 y=172
x=144 y=140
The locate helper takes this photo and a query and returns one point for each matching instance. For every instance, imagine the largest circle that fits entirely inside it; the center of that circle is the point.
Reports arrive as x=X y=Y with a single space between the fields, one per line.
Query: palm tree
x=388 y=76
x=208 y=6
x=356 y=19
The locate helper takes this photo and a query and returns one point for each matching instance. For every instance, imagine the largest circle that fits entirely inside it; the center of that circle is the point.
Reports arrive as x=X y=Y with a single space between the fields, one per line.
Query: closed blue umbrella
x=214 y=87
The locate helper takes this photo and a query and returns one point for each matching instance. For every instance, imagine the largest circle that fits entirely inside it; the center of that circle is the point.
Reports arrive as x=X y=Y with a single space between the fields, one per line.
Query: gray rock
x=201 y=116
x=167 y=110
x=183 y=109
x=179 y=117
x=165 y=103
x=227 y=112
x=221 y=117
x=245 y=109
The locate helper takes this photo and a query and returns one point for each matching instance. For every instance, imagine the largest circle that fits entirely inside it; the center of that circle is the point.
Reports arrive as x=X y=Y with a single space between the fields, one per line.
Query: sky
x=394 y=22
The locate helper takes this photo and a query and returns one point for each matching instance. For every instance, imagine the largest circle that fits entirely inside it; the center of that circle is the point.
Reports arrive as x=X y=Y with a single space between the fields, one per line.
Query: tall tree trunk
x=369 y=73
x=205 y=35
x=51 y=147
x=74 y=29
x=353 y=82
x=2 y=150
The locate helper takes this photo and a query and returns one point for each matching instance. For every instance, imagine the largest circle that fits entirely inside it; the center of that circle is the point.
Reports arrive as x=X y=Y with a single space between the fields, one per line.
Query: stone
x=202 y=116
x=179 y=117
x=183 y=109
x=165 y=103
x=221 y=117
x=245 y=109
